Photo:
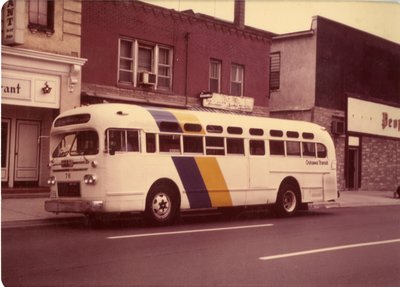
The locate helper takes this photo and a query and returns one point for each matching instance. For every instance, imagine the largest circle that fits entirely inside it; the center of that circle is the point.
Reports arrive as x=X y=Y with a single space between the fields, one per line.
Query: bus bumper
x=73 y=206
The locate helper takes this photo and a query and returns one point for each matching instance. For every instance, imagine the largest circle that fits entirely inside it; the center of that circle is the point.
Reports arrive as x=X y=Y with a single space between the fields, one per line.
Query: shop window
x=41 y=16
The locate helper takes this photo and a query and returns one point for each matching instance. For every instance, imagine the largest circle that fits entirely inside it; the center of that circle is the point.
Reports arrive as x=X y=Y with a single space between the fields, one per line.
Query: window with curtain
x=237 y=80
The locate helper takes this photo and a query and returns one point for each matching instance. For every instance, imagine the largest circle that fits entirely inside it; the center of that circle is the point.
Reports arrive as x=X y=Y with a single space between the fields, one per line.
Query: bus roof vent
x=121 y=113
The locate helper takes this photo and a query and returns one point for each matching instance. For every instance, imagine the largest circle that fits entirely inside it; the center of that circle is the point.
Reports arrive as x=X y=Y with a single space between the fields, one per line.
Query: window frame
x=155 y=64
x=34 y=24
x=275 y=71
x=218 y=64
x=237 y=77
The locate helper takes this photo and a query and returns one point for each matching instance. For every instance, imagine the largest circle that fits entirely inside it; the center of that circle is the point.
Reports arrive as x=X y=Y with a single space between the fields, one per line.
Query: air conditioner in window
x=338 y=127
x=147 y=78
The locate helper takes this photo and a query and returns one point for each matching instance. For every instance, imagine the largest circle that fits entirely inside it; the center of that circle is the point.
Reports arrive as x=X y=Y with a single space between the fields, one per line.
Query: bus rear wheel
x=161 y=206
x=288 y=200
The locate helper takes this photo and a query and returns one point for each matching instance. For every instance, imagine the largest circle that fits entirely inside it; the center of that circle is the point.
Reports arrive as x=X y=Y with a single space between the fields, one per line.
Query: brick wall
x=195 y=39
x=380 y=164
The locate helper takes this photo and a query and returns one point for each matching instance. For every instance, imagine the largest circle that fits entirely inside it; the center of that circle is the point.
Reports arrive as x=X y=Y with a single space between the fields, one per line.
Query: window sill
x=40 y=29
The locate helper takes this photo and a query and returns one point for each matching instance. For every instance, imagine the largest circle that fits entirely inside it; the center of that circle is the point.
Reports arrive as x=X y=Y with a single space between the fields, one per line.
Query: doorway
x=26 y=160
x=353 y=168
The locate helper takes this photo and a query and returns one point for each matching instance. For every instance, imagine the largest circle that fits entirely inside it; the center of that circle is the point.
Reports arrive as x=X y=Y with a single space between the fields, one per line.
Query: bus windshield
x=78 y=143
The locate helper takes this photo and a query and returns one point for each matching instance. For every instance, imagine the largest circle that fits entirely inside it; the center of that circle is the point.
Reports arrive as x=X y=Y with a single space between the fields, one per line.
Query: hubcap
x=289 y=201
x=161 y=205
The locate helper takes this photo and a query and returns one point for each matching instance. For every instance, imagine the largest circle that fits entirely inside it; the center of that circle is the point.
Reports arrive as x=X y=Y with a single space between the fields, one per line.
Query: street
x=323 y=247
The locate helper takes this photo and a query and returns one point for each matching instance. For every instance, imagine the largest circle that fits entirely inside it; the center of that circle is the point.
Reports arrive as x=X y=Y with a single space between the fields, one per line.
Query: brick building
x=144 y=54
x=41 y=72
x=348 y=81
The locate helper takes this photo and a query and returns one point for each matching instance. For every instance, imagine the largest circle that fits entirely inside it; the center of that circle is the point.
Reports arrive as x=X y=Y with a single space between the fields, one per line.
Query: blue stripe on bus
x=164 y=116
x=192 y=182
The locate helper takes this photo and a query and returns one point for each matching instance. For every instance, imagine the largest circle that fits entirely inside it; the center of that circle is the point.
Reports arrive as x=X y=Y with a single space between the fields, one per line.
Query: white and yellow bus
x=119 y=158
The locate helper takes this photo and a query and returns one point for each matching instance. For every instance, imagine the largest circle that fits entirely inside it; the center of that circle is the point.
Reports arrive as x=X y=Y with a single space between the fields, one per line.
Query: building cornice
x=43 y=56
x=209 y=21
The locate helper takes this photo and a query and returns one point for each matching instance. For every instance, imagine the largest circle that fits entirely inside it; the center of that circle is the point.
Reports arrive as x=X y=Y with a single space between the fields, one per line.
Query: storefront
x=373 y=145
x=35 y=86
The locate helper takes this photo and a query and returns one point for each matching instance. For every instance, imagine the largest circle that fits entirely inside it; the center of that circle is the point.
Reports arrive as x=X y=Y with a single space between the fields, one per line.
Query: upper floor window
x=41 y=15
x=142 y=64
x=275 y=71
x=237 y=72
x=215 y=76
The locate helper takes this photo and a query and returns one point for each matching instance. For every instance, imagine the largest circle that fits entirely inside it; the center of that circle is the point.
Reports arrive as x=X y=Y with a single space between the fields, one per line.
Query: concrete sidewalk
x=29 y=210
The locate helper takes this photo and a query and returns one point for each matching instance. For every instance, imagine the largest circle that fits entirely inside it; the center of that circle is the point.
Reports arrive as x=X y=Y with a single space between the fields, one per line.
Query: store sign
x=230 y=103
x=13 y=22
x=15 y=88
x=30 y=89
x=372 y=118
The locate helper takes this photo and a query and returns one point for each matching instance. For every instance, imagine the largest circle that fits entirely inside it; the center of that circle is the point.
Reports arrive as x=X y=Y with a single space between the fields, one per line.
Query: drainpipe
x=187 y=36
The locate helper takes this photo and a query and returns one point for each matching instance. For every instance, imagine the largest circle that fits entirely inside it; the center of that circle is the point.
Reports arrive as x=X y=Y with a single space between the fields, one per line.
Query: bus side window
x=257 y=147
x=235 y=146
x=192 y=144
x=170 y=143
x=215 y=146
x=116 y=140
x=293 y=148
x=150 y=143
x=132 y=140
x=276 y=147
x=321 y=150
x=309 y=149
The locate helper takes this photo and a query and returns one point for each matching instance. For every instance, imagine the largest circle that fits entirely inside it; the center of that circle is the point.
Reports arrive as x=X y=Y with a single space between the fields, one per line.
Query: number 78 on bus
x=120 y=158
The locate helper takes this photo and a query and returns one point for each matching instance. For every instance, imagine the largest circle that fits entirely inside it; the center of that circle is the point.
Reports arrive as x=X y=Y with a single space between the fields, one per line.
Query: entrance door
x=353 y=168
x=5 y=149
x=27 y=151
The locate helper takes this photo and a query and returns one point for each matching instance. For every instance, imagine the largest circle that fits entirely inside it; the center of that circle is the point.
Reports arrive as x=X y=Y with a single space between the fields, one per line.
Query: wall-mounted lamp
x=46 y=89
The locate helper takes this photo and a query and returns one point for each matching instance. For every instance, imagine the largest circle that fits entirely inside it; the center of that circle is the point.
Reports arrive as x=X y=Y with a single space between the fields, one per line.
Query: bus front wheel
x=161 y=206
x=288 y=200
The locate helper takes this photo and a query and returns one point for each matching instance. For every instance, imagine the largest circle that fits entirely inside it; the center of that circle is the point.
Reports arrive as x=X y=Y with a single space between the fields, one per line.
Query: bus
x=122 y=158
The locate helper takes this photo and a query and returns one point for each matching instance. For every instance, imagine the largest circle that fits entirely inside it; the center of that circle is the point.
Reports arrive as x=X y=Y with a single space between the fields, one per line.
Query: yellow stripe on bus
x=214 y=181
x=184 y=118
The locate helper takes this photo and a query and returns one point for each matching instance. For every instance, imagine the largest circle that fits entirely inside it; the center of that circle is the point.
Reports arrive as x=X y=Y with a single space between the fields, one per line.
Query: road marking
x=189 y=231
x=329 y=249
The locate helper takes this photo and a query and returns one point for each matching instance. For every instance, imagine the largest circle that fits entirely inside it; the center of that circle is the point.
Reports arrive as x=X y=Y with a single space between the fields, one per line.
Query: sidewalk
x=28 y=210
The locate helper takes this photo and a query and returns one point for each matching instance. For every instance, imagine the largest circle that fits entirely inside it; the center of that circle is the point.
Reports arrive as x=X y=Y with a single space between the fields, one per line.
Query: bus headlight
x=90 y=179
x=51 y=180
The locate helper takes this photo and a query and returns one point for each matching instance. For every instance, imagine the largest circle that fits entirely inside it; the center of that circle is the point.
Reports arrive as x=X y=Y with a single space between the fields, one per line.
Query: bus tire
x=162 y=205
x=288 y=200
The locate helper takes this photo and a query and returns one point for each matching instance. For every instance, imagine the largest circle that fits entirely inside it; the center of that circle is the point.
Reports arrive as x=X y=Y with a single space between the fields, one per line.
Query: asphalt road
x=329 y=247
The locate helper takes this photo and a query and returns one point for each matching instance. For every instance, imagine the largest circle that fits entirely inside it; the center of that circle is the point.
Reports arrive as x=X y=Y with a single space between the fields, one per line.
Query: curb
x=40 y=222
